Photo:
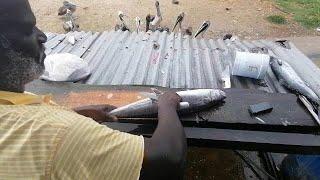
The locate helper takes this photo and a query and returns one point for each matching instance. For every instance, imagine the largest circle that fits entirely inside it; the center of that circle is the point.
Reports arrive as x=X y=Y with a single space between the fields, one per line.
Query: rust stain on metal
x=115 y=98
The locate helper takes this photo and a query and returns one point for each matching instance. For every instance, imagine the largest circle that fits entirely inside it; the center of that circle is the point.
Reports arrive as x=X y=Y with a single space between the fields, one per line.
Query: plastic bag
x=65 y=67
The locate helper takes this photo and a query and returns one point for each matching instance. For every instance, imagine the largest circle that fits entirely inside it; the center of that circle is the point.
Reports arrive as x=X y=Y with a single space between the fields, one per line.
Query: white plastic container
x=251 y=65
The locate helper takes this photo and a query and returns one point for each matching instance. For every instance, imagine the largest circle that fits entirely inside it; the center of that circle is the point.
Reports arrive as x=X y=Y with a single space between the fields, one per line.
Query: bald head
x=16 y=17
x=21 y=45
x=15 y=11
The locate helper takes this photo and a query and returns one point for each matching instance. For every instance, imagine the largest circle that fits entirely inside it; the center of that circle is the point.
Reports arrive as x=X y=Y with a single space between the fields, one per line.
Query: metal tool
x=308 y=105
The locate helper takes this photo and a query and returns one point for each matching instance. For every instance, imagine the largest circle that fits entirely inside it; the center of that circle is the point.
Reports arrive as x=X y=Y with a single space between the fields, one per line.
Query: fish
x=122 y=26
x=192 y=100
x=158 y=18
x=138 y=24
x=203 y=28
x=149 y=18
x=291 y=80
x=121 y=16
x=178 y=21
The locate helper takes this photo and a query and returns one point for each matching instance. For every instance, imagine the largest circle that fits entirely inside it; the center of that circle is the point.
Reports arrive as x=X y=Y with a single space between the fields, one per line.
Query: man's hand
x=165 y=151
x=170 y=100
x=99 y=113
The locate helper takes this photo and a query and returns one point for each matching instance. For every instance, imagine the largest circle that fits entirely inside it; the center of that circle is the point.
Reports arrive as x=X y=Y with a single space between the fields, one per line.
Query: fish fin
x=152 y=96
x=156 y=91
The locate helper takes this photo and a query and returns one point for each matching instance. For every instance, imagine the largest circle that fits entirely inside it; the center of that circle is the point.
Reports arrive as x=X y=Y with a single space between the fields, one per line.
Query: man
x=39 y=141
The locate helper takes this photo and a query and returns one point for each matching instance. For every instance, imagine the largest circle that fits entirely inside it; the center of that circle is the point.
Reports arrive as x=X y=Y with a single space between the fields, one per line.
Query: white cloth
x=65 y=67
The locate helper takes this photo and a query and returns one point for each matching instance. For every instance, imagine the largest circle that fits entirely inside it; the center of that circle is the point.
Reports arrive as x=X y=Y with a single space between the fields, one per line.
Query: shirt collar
x=12 y=98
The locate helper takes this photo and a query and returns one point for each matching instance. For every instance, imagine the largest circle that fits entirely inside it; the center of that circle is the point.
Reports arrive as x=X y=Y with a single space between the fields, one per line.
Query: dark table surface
x=288 y=128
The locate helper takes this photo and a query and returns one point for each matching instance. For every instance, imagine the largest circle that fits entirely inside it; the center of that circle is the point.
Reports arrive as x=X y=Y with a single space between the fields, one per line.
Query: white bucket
x=251 y=65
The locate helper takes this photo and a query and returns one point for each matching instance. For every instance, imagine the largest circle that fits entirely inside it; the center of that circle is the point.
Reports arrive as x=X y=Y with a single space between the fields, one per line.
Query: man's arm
x=165 y=152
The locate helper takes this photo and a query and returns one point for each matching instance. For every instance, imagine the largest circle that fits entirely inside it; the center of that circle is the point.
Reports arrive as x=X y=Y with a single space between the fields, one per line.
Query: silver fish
x=203 y=28
x=291 y=80
x=191 y=100
x=138 y=24
x=179 y=21
x=158 y=18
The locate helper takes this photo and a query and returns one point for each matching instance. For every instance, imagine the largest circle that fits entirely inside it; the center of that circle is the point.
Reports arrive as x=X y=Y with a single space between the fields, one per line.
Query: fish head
x=272 y=60
x=120 y=14
x=275 y=61
x=217 y=95
x=207 y=23
x=275 y=64
x=279 y=67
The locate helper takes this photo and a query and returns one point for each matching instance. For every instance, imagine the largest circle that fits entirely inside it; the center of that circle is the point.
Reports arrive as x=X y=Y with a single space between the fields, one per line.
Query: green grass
x=277 y=19
x=306 y=12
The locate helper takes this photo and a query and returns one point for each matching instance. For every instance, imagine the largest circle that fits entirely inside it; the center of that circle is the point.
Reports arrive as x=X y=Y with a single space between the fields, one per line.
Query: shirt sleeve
x=93 y=151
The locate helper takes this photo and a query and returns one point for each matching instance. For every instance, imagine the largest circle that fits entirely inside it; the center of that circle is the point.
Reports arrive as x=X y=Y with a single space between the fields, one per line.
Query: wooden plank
x=287 y=111
x=287 y=116
x=290 y=143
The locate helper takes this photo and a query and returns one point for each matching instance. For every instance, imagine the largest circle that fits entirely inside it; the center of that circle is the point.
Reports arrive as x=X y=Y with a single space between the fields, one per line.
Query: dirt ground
x=246 y=18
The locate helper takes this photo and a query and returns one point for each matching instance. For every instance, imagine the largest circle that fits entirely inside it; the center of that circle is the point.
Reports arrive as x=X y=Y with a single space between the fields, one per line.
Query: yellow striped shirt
x=51 y=142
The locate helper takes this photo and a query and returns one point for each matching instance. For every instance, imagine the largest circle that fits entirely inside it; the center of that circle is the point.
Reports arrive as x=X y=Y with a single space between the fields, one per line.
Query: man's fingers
x=110 y=118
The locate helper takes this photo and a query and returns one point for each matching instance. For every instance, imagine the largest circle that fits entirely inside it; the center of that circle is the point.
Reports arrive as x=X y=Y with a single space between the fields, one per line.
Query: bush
x=277 y=19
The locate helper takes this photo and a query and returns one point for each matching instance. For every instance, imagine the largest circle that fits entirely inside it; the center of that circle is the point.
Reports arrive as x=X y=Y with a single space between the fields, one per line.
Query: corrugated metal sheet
x=173 y=60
